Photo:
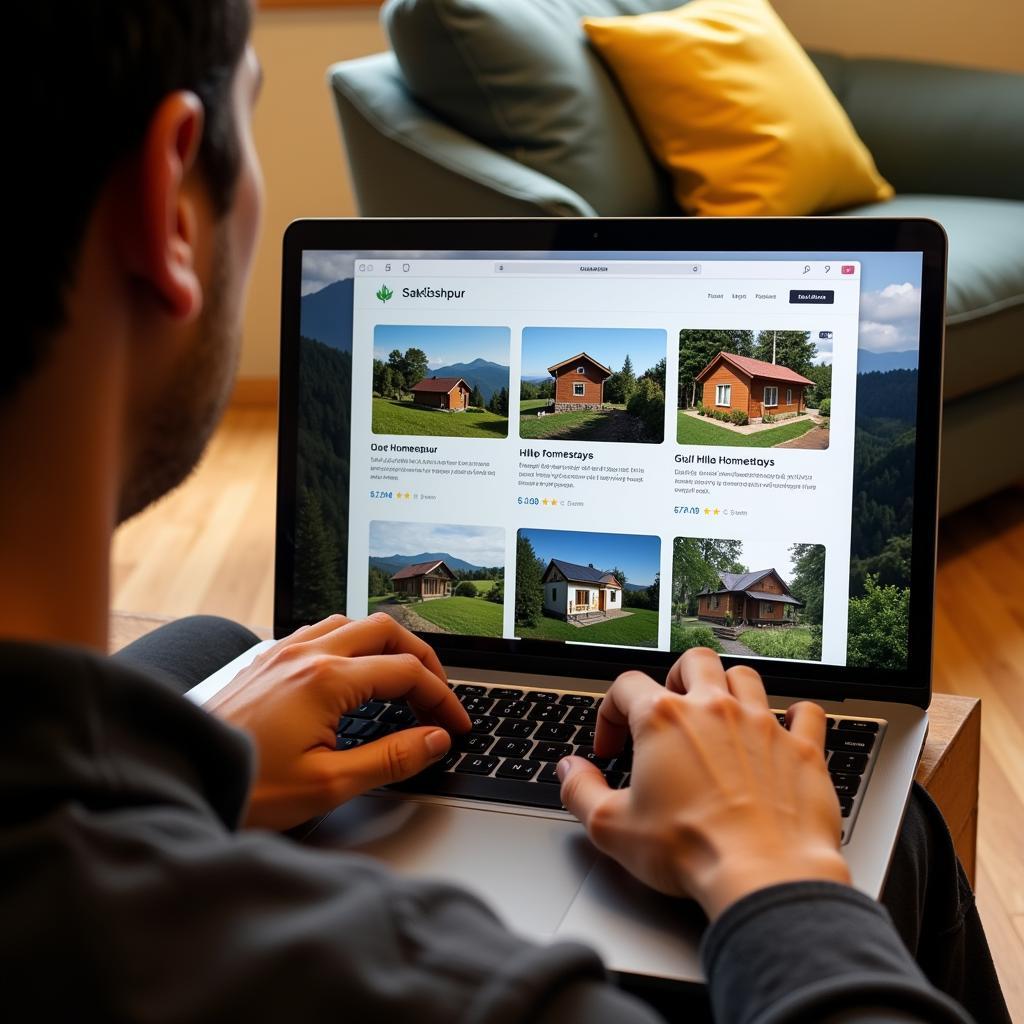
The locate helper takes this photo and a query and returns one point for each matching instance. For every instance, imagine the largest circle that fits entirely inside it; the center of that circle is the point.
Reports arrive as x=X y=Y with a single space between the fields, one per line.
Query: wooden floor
x=209 y=548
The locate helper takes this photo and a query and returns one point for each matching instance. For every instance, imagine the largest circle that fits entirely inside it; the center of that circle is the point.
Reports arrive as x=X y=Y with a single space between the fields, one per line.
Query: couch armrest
x=406 y=162
x=935 y=129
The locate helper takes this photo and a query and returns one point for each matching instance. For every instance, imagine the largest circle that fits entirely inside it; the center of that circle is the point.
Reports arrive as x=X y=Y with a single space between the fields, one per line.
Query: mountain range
x=480 y=373
x=326 y=315
x=882 y=362
x=392 y=563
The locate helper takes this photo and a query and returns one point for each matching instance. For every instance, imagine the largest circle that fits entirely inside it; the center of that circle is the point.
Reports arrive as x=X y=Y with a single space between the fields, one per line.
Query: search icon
x=807 y=268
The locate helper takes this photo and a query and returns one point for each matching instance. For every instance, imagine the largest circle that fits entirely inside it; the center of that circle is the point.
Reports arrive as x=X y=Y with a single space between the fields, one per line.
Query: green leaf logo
x=384 y=293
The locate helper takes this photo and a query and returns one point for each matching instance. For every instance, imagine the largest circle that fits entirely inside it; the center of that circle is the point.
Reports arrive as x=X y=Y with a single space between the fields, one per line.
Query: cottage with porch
x=450 y=393
x=749 y=598
x=579 y=383
x=578 y=592
x=731 y=382
x=424 y=581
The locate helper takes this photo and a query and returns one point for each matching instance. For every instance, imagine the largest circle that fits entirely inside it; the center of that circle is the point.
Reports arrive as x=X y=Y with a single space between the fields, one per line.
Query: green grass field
x=482 y=586
x=530 y=406
x=639 y=629
x=686 y=633
x=795 y=642
x=471 y=615
x=393 y=417
x=702 y=431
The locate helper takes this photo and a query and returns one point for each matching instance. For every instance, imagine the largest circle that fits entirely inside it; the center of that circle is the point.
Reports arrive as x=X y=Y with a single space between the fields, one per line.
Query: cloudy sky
x=479 y=545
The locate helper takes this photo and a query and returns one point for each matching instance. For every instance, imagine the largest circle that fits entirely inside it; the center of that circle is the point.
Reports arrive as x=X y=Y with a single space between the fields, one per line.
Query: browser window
x=638 y=453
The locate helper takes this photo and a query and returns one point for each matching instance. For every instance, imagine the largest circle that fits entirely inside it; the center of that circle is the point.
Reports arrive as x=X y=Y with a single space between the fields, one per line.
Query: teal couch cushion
x=985 y=293
x=519 y=76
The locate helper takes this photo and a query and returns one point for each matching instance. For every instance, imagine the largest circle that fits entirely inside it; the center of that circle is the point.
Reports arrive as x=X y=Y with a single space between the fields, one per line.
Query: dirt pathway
x=816 y=439
x=405 y=616
x=735 y=647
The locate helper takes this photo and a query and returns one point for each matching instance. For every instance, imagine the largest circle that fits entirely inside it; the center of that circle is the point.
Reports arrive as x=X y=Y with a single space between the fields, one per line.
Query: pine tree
x=529 y=589
x=317 y=580
x=792 y=349
x=414 y=366
x=627 y=379
x=477 y=398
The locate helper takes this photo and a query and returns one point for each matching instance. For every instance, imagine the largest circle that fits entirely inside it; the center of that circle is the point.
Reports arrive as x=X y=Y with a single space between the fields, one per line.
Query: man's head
x=136 y=217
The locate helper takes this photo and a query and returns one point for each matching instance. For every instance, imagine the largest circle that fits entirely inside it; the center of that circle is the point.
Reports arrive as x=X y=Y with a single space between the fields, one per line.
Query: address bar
x=599 y=268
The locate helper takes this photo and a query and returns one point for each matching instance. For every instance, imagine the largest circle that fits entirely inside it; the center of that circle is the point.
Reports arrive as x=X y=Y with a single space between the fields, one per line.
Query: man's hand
x=291 y=697
x=722 y=801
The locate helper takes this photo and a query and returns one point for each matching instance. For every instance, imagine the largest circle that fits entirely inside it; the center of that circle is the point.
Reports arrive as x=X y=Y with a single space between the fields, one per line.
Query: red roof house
x=450 y=393
x=731 y=382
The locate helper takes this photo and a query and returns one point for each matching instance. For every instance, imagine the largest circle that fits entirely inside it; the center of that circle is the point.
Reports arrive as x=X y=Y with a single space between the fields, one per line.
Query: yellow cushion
x=737 y=112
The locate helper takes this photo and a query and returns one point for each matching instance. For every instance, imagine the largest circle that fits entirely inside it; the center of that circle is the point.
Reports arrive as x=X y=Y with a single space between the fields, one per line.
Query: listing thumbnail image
x=438 y=578
x=746 y=598
x=593 y=384
x=755 y=389
x=600 y=588
x=441 y=381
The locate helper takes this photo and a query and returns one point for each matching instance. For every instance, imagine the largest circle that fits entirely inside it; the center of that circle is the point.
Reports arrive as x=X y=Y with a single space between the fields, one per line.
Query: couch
x=492 y=108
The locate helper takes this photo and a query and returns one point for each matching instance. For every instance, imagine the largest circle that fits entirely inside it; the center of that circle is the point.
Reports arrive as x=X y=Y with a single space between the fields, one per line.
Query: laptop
x=557 y=449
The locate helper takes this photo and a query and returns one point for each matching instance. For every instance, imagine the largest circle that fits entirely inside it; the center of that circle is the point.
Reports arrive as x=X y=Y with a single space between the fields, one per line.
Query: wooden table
x=948 y=768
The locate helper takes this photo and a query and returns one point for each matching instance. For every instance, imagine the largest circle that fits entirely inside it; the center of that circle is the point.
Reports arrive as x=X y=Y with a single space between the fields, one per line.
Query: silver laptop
x=557 y=449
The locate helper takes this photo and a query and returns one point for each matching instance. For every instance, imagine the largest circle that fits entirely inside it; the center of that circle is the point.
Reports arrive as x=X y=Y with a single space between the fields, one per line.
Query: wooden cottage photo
x=424 y=581
x=440 y=381
x=766 y=389
x=450 y=393
x=438 y=578
x=579 y=383
x=731 y=382
x=748 y=598
x=593 y=384
x=587 y=587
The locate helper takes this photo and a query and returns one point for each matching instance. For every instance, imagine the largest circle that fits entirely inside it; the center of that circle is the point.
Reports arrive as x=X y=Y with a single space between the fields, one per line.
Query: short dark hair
x=96 y=71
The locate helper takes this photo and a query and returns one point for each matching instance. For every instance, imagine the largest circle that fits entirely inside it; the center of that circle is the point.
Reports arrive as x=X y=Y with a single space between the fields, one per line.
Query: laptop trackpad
x=527 y=868
x=635 y=929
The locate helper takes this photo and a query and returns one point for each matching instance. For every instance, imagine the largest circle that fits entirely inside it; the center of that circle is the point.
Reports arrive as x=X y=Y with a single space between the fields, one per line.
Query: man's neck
x=59 y=452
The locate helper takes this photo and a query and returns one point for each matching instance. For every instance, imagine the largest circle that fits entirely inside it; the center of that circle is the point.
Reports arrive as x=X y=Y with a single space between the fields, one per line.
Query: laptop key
x=588 y=753
x=505 y=693
x=519 y=728
x=548 y=712
x=359 y=727
x=541 y=696
x=524 y=769
x=398 y=714
x=579 y=700
x=483 y=787
x=347 y=743
x=511 y=748
x=856 y=725
x=551 y=751
x=846 y=785
x=549 y=773
x=853 y=764
x=477 y=705
x=474 y=743
x=468 y=690
x=450 y=760
x=845 y=805
x=511 y=708
x=849 y=742
x=371 y=709
x=557 y=731
x=585 y=736
x=582 y=716
x=477 y=764
x=483 y=723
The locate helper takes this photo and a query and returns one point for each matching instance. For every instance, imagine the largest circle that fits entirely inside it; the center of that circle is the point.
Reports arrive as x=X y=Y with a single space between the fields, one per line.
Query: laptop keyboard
x=518 y=736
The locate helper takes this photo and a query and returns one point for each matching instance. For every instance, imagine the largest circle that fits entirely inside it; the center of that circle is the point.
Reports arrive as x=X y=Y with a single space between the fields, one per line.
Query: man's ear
x=164 y=239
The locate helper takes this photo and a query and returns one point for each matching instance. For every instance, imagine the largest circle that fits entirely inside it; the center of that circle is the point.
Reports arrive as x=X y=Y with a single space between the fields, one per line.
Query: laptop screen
x=610 y=456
